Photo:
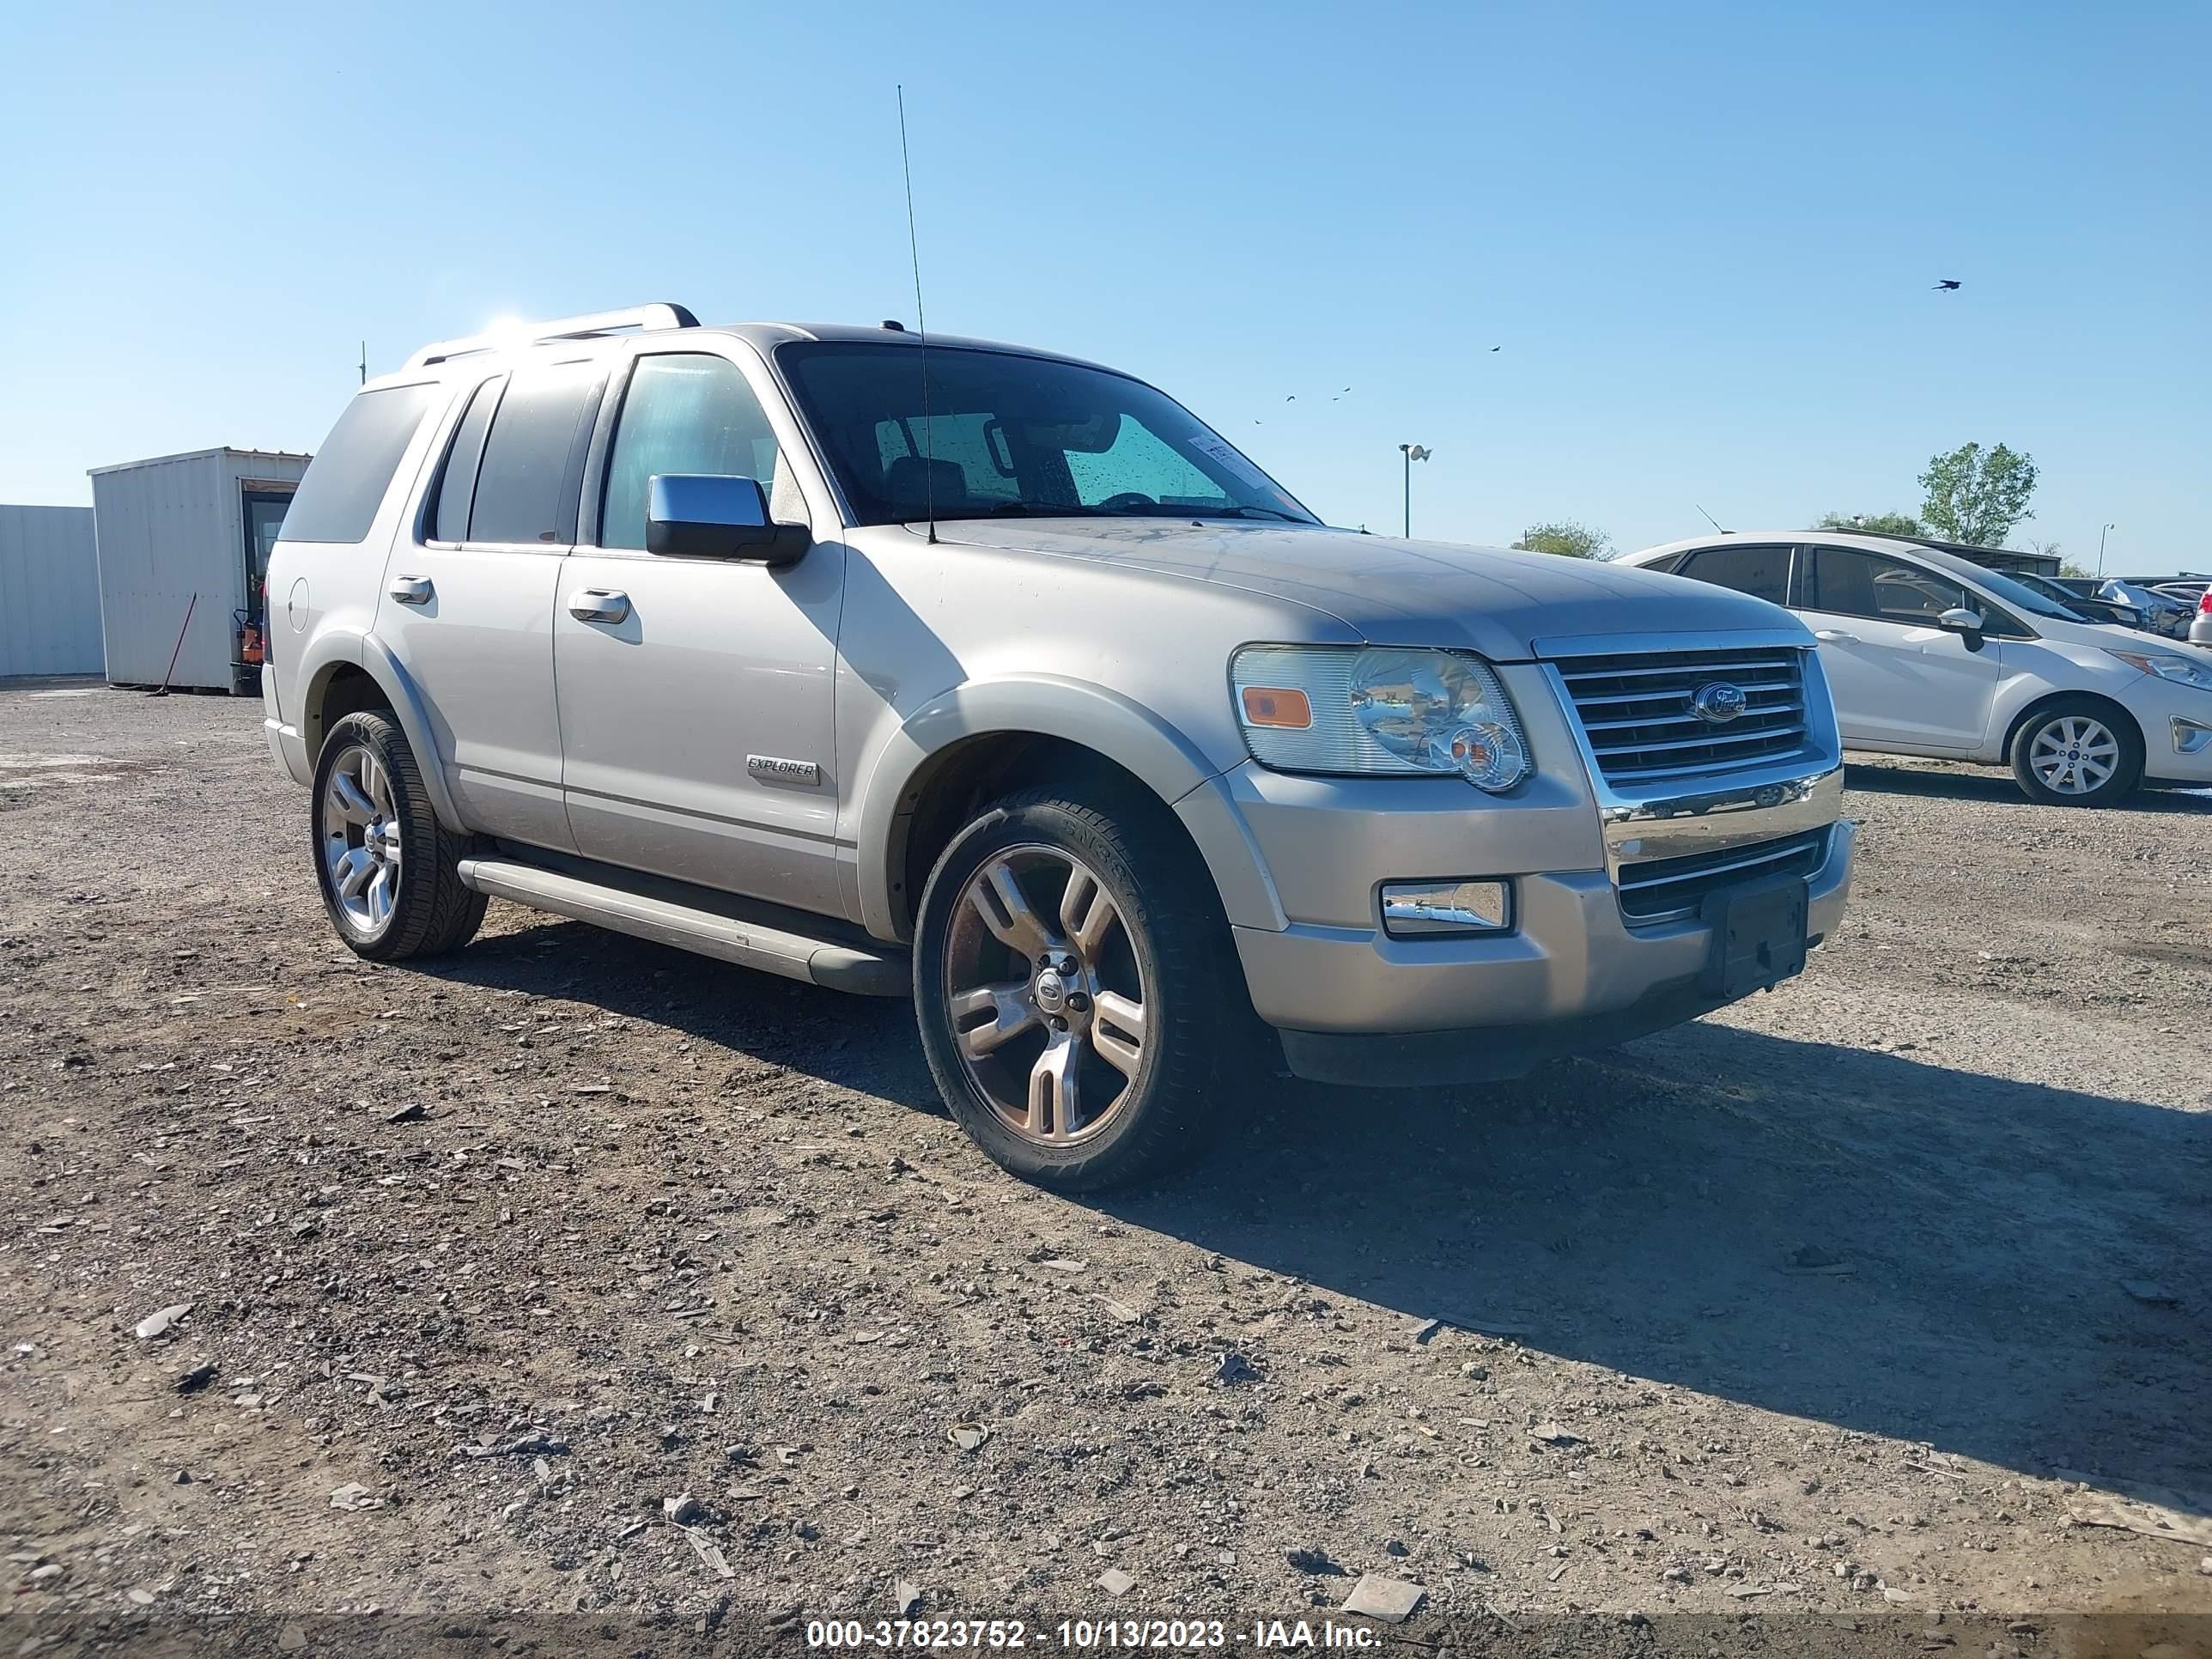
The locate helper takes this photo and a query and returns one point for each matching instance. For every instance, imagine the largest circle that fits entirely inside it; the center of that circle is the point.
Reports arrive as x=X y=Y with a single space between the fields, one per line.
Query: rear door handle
x=1835 y=636
x=598 y=605
x=411 y=590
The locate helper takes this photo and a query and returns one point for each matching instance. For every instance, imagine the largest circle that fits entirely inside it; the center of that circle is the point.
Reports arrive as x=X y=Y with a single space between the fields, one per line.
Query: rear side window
x=1761 y=572
x=458 y=483
x=338 y=500
x=533 y=461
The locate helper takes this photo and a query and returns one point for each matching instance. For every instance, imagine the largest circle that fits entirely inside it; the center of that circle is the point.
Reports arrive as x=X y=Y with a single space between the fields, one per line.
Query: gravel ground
x=1861 y=1304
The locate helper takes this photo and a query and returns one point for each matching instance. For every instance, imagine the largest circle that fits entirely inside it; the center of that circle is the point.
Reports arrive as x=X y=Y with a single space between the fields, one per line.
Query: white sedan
x=1928 y=653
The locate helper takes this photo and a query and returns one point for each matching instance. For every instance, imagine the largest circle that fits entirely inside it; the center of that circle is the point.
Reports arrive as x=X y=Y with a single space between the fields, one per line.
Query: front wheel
x=1074 y=988
x=2077 y=752
x=389 y=870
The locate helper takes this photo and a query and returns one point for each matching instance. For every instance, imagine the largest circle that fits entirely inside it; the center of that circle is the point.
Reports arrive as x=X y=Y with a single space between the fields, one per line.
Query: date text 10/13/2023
x=1165 y=1635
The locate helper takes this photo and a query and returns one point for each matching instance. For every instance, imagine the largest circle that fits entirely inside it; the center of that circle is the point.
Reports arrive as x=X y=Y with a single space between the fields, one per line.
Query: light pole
x=1412 y=453
x=2100 y=550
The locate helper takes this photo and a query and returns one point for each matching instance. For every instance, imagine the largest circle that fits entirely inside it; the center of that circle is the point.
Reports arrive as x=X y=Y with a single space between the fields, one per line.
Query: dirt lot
x=1849 y=1306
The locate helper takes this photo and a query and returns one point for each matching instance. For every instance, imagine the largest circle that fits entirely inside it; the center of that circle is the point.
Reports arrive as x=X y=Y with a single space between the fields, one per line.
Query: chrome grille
x=1636 y=710
x=1660 y=889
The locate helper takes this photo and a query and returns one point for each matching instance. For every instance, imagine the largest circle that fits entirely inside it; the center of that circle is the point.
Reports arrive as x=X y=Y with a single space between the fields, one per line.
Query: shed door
x=264 y=515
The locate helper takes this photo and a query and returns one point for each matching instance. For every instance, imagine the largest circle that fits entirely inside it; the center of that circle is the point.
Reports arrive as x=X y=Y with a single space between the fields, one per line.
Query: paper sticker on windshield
x=1218 y=451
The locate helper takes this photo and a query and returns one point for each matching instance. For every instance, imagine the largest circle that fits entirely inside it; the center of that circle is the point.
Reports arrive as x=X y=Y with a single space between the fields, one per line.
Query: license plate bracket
x=1757 y=935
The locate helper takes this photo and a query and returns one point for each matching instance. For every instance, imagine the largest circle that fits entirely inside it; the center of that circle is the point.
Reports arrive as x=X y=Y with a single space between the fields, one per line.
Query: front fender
x=1131 y=736
x=343 y=647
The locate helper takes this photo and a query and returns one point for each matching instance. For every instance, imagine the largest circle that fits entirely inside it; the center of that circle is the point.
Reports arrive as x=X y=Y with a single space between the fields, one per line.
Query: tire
x=2061 y=749
x=388 y=870
x=1047 y=998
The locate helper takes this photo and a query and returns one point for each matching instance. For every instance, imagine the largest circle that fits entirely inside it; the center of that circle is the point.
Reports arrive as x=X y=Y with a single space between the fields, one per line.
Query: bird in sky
x=1947 y=284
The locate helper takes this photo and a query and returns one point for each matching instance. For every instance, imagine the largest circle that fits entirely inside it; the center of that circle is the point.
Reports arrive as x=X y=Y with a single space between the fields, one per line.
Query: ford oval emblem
x=1719 y=703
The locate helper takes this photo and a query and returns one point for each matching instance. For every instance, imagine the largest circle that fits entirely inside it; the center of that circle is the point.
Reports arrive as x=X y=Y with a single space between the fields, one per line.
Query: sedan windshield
x=998 y=435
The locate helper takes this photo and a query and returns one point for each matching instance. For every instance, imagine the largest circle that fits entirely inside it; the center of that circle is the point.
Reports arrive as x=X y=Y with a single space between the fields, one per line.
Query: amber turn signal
x=1267 y=705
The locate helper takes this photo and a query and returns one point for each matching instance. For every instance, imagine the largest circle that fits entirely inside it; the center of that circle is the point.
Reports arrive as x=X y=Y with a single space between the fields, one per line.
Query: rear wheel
x=389 y=870
x=1074 y=988
x=2077 y=752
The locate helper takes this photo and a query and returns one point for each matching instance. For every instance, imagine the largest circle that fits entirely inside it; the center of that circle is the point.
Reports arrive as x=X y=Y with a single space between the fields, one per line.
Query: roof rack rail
x=559 y=328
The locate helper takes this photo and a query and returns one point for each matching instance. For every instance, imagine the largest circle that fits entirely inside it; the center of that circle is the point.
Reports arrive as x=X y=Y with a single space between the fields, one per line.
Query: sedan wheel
x=2077 y=752
x=2074 y=755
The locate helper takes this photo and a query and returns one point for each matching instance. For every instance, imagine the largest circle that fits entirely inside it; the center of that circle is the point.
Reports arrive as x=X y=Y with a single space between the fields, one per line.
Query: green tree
x=1872 y=524
x=1575 y=541
x=1976 y=495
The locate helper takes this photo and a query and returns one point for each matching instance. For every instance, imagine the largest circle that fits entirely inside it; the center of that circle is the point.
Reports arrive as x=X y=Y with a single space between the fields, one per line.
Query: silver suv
x=998 y=679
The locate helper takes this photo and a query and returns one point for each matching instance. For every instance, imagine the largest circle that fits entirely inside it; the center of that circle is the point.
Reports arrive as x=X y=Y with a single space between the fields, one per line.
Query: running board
x=840 y=967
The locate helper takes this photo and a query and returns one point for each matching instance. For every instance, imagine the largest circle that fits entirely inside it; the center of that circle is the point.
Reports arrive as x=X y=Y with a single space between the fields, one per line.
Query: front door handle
x=1835 y=636
x=598 y=605
x=411 y=590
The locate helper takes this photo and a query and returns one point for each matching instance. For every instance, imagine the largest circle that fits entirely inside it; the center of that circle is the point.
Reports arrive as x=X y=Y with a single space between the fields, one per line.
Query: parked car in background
x=2189 y=593
x=2162 y=613
x=1928 y=653
x=1017 y=690
x=2079 y=597
x=2200 y=629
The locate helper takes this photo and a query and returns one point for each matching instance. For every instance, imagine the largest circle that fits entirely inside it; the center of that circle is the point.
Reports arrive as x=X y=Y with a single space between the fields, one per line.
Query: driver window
x=689 y=412
x=1847 y=582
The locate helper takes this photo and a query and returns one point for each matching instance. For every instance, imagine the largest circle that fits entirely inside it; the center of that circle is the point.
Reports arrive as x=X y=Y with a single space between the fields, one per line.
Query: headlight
x=2182 y=670
x=1377 y=710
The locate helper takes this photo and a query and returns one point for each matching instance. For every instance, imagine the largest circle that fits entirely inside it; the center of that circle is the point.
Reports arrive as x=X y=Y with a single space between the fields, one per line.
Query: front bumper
x=1357 y=1005
x=2176 y=722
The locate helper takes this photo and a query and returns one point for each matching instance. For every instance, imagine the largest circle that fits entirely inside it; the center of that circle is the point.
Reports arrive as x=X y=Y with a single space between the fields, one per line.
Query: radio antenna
x=921 y=328
x=1709 y=518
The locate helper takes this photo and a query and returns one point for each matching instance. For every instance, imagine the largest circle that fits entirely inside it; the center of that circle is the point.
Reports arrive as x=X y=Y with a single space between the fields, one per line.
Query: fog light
x=2190 y=737
x=1413 y=908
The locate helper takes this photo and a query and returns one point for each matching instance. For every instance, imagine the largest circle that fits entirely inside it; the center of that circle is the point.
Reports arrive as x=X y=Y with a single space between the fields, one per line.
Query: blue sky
x=1703 y=236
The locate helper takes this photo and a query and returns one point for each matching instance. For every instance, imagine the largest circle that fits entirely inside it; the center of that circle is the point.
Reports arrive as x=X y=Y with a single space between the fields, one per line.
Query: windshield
x=1010 y=436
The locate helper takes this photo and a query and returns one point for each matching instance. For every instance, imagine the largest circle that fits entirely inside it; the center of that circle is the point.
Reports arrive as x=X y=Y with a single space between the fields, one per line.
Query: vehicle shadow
x=1996 y=788
x=1883 y=1243
x=1886 y=1244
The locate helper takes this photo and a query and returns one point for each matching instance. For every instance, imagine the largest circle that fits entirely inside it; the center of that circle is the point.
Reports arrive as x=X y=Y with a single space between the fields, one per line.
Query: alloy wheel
x=360 y=837
x=2073 y=755
x=1047 y=994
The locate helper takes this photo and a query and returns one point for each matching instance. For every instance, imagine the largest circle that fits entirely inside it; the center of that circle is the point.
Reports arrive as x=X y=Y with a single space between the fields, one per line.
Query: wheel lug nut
x=1078 y=1002
x=1057 y=1024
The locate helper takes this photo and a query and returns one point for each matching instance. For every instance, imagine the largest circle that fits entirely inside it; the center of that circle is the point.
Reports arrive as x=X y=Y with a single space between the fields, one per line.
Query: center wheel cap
x=1051 y=991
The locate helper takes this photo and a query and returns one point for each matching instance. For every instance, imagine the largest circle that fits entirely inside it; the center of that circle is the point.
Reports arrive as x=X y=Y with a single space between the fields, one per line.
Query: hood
x=1488 y=600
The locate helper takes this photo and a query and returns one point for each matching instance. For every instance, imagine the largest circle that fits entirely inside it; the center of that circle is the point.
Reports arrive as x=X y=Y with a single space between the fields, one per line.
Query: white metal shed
x=186 y=534
x=49 y=591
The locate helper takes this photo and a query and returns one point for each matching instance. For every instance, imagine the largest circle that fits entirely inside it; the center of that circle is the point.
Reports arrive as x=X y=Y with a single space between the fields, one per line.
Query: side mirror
x=1967 y=625
x=713 y=515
